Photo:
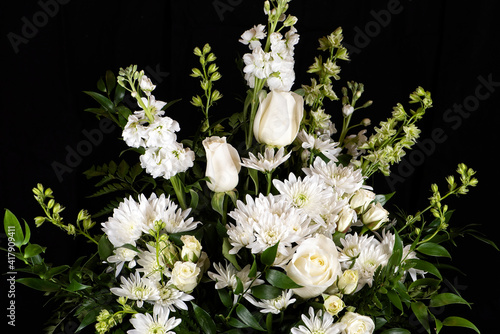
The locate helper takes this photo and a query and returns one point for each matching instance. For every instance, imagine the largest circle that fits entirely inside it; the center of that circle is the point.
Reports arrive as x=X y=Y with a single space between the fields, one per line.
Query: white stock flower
x=161 y=132
x=134 y=131
x=167 y=161
x=357 y=324
x=314 y=266
x=146 y=85
x=321 y=322
x=157 y=323
x=253 y=36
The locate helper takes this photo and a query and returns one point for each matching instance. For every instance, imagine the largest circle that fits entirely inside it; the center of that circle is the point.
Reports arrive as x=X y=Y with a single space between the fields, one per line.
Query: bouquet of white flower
x=266 y=220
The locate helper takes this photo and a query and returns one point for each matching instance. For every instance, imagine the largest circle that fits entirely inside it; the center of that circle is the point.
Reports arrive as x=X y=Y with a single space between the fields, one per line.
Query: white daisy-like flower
x=319 y=323
x=170 y=299
x=275 y=305
x=126 y=224
x=308 y=194
x=352 y=244
x=151 y=266
x=369 y=259
x=157 y=323
x=137 y=288
x=267 y=162
x=345 y=180
x=226 y=277
x=240 y=235
x=323 y=144
x=120 y=256
x=176 y=220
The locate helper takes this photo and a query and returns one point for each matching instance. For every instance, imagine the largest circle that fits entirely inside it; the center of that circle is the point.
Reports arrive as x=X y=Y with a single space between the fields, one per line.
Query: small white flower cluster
x=365 y=254
x=163 y=274
x=163 y=156
x=273 y=62
x=323 y=322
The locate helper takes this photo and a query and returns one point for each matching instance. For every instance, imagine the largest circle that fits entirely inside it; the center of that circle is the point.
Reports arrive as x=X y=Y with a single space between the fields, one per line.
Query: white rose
x=278 y=118
x=348 y=282
x=314 y=266
x=223 y=164
x=357 y=324
x=191 y=249
x=185 y=275
x=361 y=199
x=333 y=305
x=375 y=216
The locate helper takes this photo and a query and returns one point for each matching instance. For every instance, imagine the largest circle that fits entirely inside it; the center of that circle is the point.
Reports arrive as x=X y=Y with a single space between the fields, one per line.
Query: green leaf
x=27 y=235
x=119 y=94
x=110 y=81
x=226 y=246
x=423 y=265
x=382 y=199
x=225 y=298
x=247 y=318
x=280 y=280
x=33 y=250
x=239 y=286
x=218 y=202
x=446 y=298
x=395 y=300
x=105 y=248
x=269 y=255
x=396 y=331
x=102 y=100
x=433 y=249
x=39 y=284
x=459 y=322
x=204 y=319
x=265 y=291
x=13 y=228
x=431 y=282
x=253 y=269
x=76 y=286
x=421 y=312
x=55 y=271
x=89 y=318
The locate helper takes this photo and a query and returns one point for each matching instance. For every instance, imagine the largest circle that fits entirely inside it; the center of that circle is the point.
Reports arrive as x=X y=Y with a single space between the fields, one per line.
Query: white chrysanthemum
x=137 y=288
x=265 y=221
x=157 y=323
x=352 y=244
x=120 y=256
x=170 y=299
x=253 y=36
x=322 y=143
x=275 y=305
x=369 y=259
x=308 y=194
x=345 y=180
x=334 y=206
x=126 y=224
x=319 y=323
x=161 y=132
x=267 y=162
x=151 y=266
x=226 y=277
x=176 y=220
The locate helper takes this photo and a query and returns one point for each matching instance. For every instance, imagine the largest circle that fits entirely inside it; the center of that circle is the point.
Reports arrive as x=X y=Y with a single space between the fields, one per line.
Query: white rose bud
x=348 y=282
x=191 y=249
x=223 y=164
x=347 y=216
x=315 y=266
x=278 y=118
x=375 y=216
x=185 y=276
x=361 y=199
x=357 y=324
x=333 y=305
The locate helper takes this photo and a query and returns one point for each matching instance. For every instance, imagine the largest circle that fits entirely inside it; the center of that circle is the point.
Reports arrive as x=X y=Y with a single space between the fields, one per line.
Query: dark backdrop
x=55 y=49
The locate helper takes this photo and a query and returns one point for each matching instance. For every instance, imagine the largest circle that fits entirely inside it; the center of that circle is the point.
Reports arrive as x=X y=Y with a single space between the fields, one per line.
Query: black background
x=55 y=50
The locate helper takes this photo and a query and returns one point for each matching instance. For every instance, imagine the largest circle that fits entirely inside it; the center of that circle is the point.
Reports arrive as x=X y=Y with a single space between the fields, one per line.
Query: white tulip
x=223 y=164
x=314 y=266
x=278 y=118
